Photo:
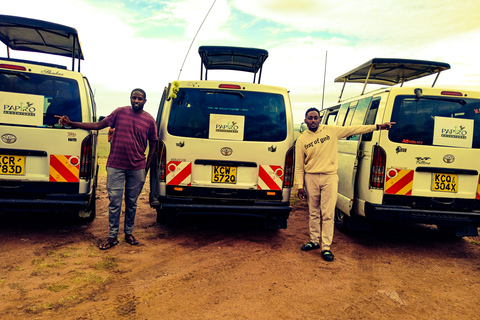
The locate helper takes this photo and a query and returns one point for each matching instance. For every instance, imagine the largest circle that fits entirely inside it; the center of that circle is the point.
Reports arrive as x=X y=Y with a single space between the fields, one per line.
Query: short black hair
x=312 y=109
x=139 y=90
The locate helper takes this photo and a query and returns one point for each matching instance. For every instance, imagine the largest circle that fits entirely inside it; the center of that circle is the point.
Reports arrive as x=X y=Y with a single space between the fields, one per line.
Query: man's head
x=138 y=97
x=312 y=119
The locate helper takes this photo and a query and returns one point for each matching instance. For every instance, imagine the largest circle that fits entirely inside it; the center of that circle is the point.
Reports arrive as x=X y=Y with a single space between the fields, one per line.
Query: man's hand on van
x=63 y=120
x=301 y=194
x=385 y=126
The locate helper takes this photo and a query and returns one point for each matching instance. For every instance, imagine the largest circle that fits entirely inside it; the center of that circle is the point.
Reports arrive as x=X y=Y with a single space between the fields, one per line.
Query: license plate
x=224 y=174
x=12 y=164
x=444 y=182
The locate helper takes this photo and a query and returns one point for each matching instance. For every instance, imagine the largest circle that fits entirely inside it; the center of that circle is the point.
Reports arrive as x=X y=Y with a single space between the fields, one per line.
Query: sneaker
x=327 y=255
x=310 y=246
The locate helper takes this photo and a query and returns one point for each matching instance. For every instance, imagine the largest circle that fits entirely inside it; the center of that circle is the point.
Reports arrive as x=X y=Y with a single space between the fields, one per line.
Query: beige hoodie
x=317 y=152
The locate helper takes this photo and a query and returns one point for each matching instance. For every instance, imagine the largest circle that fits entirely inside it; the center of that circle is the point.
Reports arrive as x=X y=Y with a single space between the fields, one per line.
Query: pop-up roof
x=232 y=58
x=392 y=71
x=33 y=35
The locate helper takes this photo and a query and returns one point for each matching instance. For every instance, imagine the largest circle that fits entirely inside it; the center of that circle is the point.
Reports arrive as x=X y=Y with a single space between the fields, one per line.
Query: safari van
x=226 y=147
x=425 y=169
x=45 y=166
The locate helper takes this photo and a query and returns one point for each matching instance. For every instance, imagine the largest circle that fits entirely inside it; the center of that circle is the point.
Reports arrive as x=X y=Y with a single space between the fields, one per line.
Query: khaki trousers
x=321 y=197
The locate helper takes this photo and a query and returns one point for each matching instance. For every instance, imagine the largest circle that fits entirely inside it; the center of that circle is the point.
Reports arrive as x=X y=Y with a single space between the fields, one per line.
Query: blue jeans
x=133 y=181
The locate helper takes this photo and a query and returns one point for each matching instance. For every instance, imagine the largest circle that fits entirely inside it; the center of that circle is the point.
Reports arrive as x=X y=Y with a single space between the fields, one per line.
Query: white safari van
x=425 y=169
x=44 y=166
x=225 y=147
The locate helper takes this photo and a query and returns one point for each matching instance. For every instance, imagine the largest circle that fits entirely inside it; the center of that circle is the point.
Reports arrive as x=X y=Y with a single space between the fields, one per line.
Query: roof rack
x=25 y=34
x=390 y=71
x=232 y=58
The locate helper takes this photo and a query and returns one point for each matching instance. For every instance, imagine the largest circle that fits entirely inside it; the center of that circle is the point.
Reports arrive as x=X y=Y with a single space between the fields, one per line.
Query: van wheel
x=341 y=220
x=168 y=217
x=275 y=222
x=88 y=215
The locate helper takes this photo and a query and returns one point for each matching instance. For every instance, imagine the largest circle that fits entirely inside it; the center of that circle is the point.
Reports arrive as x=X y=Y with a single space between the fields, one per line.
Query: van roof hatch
x=25 y=34
x=232 y=58
x=390 y=71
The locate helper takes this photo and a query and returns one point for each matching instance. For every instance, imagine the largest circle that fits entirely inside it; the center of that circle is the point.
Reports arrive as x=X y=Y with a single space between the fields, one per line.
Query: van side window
x=342 y=112
x=332 y=117
x=370 y=119
x=358 y=115
x=160 y=108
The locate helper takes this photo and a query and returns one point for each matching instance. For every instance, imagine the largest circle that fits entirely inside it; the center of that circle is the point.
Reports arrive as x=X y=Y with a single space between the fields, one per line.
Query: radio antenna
x=193 y=40
x=324 y=77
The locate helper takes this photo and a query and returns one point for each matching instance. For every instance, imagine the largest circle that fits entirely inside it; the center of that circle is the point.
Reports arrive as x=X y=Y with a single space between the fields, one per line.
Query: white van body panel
x=189 y=163
x=411 y=165
x=45 y=166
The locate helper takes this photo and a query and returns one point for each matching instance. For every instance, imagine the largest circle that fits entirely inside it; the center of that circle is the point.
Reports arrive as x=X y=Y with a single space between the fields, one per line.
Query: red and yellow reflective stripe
x=478 y=189
x=270 y=177
x=399 y=181
x=179 y=173
x=64 y=168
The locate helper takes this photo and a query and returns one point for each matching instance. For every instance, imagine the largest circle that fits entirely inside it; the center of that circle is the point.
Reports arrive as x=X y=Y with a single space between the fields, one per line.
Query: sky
x=149 y=43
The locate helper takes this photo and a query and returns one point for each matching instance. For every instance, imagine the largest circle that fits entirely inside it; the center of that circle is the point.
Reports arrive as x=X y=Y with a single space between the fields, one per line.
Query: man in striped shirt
x=126 y=165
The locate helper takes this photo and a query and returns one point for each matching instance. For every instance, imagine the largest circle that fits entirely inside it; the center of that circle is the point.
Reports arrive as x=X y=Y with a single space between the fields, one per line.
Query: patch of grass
x=73 y=299
x=93 y=252
x=93 y=277
x=57 y=287
x=48 y=306
x=107 y=263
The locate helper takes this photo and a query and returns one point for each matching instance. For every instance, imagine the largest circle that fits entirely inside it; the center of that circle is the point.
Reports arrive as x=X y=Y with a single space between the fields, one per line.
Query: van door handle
x=360 y=153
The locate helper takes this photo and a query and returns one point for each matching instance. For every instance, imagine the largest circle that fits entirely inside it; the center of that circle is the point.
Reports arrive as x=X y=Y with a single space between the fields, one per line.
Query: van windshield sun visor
x=33 y=35
x=392 y=71
x=232 y=58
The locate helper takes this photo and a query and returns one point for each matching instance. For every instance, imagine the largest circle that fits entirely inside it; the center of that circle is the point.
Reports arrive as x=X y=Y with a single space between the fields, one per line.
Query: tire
x=341 y=220
x=168 y=217
x=275 y=222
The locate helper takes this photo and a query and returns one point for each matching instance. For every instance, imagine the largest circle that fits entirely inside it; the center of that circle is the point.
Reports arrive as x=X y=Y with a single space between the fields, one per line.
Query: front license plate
x=444 y=182
x=12 y=164
x=223 y=174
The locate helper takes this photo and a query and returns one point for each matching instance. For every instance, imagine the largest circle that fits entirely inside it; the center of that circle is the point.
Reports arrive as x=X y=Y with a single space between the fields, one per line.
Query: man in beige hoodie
x=316 y=164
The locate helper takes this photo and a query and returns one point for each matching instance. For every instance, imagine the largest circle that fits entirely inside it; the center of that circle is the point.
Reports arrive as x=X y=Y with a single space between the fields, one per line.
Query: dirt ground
x=225 y=268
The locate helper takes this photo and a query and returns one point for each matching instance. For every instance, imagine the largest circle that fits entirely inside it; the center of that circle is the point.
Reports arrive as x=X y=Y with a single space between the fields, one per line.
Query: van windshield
x=261 y=115
x=52 y=96
x=435 y=120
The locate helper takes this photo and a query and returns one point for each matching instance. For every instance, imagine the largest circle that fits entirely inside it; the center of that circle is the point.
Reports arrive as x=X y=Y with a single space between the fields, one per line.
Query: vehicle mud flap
x=275 y=221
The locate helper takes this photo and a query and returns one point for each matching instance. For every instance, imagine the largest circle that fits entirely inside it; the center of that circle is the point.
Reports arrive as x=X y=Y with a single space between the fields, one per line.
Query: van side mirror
x=101 y=118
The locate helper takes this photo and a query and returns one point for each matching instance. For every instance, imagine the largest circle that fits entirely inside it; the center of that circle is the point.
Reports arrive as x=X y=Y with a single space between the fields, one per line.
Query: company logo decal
x=422 y=160
x=24 y=109
x=400 y=149
x=228 y=127
x=455 y=132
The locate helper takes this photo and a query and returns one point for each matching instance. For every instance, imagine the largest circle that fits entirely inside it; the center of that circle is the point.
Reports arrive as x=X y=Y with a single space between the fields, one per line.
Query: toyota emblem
x=226 y=151
x=449 y=158
x=9 y=138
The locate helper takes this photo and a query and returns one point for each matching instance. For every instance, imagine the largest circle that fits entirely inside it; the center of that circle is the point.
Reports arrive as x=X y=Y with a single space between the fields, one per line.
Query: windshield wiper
x=17 y=74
